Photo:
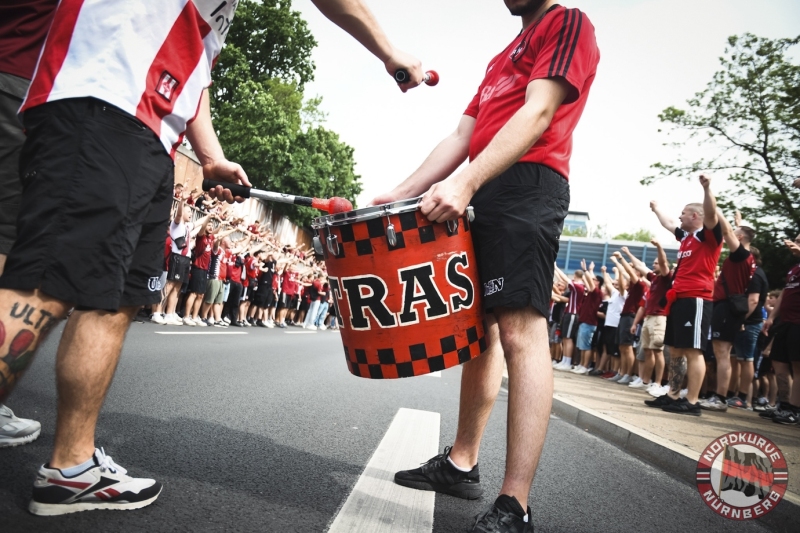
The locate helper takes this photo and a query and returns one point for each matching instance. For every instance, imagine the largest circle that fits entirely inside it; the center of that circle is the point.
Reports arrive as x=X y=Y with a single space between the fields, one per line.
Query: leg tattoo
x=677 y=371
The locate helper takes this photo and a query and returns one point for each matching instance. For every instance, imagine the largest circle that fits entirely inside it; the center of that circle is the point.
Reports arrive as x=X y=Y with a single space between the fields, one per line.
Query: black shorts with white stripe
x=569 y=326
x=689 y=323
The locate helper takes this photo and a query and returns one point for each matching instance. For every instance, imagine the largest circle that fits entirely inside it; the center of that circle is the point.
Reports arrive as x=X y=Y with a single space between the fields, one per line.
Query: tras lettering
x=366 y=295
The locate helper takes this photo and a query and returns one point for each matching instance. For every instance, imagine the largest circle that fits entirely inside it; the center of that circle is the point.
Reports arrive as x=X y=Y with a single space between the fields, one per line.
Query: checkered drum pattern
x=379 y=352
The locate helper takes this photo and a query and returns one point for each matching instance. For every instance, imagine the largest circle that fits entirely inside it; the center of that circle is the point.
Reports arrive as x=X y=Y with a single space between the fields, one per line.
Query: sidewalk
x=617 y=413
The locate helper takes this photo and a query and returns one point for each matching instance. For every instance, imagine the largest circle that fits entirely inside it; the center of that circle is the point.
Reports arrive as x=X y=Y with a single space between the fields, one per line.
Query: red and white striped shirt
x=577 y=291
x=150 y=58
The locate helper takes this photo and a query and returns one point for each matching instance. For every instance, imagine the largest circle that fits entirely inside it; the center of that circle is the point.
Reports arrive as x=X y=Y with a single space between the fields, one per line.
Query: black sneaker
x=104 y=485
x=787 y=416
x=683 y=407
x=661 y=401
x=504 y=516
x=440 y=476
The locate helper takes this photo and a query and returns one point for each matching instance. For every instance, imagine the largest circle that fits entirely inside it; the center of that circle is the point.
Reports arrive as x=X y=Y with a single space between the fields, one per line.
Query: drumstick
x=431 y=77
x=331 y=205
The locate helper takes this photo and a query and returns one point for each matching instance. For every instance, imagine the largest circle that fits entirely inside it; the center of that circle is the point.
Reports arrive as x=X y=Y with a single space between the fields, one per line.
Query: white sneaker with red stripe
x=102 y=486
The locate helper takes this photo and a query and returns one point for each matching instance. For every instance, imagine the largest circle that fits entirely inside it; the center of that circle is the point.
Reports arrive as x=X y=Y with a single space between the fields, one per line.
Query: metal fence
x=572 y=249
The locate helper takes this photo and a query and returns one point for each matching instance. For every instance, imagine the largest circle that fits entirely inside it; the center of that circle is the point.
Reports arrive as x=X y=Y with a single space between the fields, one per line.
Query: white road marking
x=377 y=504
x=201 y=332
x=436 y=374
x=300 y=332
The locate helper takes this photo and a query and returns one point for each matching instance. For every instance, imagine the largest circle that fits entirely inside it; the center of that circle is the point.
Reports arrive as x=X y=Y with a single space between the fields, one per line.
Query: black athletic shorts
x=569 y=326
x=624 y=335
x=786 y=343
x=12 y=92
x=198 y=282
x=259 y=297
x=96 y=197
x=288 y=301
x=688 y=324
x=178 y=267
x=518 y=220
x=609 y=340
x=272 y=299
x=724 y=326
x=763 y=366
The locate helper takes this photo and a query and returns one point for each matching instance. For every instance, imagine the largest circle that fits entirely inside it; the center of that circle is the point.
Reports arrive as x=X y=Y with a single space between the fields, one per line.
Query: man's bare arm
x=665 y=220
x=448 y=200
x=636 y=262
x=710 y=218
x=442 y=161
x=205 y=144
x=663 y=262
x=727 y=232
x=354 y=17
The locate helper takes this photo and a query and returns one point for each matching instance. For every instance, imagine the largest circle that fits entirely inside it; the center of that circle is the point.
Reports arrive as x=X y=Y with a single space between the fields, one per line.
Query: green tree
x=262 y=118
x=747 y=119
x=576 y=232
x=640 y=235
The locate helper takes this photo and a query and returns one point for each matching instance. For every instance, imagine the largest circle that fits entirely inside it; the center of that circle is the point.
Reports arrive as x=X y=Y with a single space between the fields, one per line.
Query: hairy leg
x=187 y=310
x=523 y=336
x=26 y=317
x=735 y=375
x=198 y=302
x=658 y=356
x=173 y=292
x=567 y=347
x=794 y=395
x=772 y=384
x=722 y=353
x=647 y=365
x=85 y=363
x=695 y=372
x=783 y=379
x=480 y=383
x=627 y=358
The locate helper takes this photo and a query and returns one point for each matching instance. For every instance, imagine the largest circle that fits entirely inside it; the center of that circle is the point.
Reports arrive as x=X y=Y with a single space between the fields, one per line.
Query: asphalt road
x=269 y=432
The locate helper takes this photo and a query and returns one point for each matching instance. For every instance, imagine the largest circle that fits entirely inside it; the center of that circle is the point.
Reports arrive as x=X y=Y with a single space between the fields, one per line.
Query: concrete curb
x=676 y=460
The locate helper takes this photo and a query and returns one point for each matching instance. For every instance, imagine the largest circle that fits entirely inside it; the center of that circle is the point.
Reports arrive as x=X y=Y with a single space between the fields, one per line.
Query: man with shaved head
x=689 y=301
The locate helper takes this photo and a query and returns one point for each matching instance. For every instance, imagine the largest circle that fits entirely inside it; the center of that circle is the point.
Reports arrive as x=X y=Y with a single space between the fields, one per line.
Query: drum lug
x=471 y=213
x=391 y=236
x=333 y=245
x=452 y=227
x=318 y=245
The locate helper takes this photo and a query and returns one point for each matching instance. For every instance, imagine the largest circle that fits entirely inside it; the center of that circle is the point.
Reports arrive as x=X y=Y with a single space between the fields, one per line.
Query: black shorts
x=786 y=343
x=609 y=341
x=624 y=335
x=688 y=324
x=288 y=301
x=259 y=297
x=518 y=220
x=198 y=283
x=12 y=92
x=724 y=326
x=598 y=333
x=569 y=326
x=97 y=191
x=763 y=366
x=178 y=267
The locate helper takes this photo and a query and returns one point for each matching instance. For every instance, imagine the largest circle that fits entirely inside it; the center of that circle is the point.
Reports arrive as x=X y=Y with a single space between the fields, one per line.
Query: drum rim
x=367 y=213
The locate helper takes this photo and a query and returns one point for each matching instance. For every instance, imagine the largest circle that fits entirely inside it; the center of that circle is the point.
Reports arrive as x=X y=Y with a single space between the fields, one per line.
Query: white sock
x=456 y=466
x=566 y=361
x=75 y=470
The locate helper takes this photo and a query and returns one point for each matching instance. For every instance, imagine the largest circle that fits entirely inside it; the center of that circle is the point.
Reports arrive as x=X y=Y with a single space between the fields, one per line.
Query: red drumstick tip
x=433 y=78
x=339 y=205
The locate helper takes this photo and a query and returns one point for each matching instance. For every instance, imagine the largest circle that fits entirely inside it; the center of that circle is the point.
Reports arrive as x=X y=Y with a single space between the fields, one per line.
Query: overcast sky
x=654 y=53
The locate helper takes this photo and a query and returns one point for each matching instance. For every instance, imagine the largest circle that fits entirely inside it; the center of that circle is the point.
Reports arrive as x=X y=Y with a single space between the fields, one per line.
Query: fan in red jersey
x=517 y=134
x=690 y=298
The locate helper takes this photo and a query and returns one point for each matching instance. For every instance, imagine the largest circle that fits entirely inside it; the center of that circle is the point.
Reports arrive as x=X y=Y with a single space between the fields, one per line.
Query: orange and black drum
x=406 y=290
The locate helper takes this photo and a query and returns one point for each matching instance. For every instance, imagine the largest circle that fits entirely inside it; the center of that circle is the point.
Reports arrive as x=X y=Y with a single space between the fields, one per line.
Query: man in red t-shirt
x=201 y=260
x=570 y=323
x=587 y=318
x=734 y=277
x=785 y=353
x=654 y=313
x=626 y=332
x=690 y=298
x=517 y=133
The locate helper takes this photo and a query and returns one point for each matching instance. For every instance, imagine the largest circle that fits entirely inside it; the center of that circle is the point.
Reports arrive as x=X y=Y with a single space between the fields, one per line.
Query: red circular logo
x=742 y=475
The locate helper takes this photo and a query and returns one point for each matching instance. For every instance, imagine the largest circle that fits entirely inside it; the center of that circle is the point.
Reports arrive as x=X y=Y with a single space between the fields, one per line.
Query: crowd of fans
x=222 y=270
x=612 y=325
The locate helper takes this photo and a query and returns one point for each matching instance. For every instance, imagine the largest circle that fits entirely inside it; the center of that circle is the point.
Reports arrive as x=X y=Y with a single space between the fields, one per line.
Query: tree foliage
x=747 y=120
x=640 y=235
x=262 y=118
